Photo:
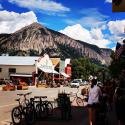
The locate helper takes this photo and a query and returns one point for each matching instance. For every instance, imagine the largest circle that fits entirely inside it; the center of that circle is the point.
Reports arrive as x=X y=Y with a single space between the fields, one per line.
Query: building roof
x=18 y=60
x=26 y=60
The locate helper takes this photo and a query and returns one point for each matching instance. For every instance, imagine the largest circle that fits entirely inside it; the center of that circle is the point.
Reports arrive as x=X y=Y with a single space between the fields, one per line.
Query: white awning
x=64 y=74
x=21 y=75
x=48 y=70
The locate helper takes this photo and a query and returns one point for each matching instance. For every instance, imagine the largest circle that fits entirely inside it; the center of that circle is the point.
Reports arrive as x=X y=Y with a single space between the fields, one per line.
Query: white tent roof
x=64 y=74
x=48 y=70
x=44 y=61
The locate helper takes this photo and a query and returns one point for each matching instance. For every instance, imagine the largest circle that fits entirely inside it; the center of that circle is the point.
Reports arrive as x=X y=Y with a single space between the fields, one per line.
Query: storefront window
x=12 y=70
x=0 y=69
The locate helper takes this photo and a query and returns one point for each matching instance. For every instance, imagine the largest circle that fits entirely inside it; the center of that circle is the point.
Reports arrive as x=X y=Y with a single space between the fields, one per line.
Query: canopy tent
x=45 y=64
x=48 y=70
x=64 y=74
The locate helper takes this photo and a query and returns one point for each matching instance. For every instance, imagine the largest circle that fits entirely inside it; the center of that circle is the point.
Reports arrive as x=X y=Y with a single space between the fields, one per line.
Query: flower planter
x=22 y=87
x=8 y=88
x=19 y=87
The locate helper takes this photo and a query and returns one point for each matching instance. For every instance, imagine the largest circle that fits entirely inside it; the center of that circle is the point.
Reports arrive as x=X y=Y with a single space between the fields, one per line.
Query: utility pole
x=36 y=77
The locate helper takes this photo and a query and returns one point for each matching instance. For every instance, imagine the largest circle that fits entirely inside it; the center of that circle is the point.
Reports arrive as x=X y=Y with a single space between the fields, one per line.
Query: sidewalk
x=79 y=117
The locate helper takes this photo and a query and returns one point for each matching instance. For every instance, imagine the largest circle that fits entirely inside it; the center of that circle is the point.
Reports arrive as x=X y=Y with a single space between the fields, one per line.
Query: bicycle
x=31 y=112
x=19 y=112
x=43 y=108
x=25 y=101
x=77 y=99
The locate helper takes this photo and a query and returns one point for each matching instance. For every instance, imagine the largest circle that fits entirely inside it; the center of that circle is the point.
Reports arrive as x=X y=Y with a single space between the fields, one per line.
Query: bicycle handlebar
x=29 y=93
x=17 y=99
x=74 y=94
x=21 y=94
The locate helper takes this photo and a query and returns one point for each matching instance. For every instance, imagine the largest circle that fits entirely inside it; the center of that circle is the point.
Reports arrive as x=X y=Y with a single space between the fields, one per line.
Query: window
x=12 y=70
x=0 y=69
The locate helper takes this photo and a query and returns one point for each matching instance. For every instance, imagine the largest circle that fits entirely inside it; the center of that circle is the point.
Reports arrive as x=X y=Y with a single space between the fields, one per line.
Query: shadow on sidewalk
x=79 y=117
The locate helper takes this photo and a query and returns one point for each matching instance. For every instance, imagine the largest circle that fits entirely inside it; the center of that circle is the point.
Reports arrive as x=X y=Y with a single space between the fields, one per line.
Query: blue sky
x=91 y=21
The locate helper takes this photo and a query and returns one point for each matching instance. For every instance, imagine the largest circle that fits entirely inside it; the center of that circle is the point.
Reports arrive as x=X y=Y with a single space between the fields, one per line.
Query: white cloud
x=12 y=21
x=1 y=7
x=108 y=1
x=44 y=5
x=94 y=36
x=91 y=18
x=116 y=27
x=77 y=32
x=96 y=33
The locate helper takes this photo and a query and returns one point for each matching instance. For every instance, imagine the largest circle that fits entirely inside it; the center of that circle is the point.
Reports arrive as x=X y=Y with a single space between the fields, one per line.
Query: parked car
x=84 y=82
x=75 y=83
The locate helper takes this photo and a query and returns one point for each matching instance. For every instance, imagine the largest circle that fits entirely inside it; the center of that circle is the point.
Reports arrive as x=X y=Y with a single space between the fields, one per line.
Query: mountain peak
x=36 y=39
x=32 y=26
x=35 y=25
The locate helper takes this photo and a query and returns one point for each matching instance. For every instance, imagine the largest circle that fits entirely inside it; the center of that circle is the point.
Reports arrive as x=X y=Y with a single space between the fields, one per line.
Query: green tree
x=83 y=67
x=116 y=65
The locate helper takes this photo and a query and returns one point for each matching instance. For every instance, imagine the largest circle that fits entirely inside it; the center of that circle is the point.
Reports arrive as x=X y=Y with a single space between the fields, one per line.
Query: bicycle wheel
x=16 y=115
x=41 y=111
x=29 y=115
x=49 y=108
x=79 y=101
x=25 y=103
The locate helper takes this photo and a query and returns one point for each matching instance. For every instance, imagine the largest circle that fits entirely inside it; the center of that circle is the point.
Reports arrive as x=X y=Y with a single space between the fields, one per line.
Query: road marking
x=7 y=105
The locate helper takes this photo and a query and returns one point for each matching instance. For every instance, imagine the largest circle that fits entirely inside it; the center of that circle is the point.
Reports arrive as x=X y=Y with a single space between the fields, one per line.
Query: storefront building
x=25 y=68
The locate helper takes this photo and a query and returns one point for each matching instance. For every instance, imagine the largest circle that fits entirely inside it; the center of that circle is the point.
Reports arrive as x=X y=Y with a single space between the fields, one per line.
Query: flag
x=119 y=50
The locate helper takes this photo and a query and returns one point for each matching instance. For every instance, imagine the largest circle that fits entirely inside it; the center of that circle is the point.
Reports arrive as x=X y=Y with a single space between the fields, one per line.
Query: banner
x=62 y=66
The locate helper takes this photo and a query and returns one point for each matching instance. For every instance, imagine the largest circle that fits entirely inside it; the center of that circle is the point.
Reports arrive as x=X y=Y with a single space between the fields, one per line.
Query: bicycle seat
x=20 y=94
x=17 y=99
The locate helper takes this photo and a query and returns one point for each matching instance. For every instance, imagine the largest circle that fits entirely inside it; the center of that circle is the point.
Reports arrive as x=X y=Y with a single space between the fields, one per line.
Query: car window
x=74 y=81
x=79 y=80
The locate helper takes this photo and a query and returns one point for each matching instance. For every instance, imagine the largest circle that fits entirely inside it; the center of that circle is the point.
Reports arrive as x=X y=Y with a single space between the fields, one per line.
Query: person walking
x=93 y=100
